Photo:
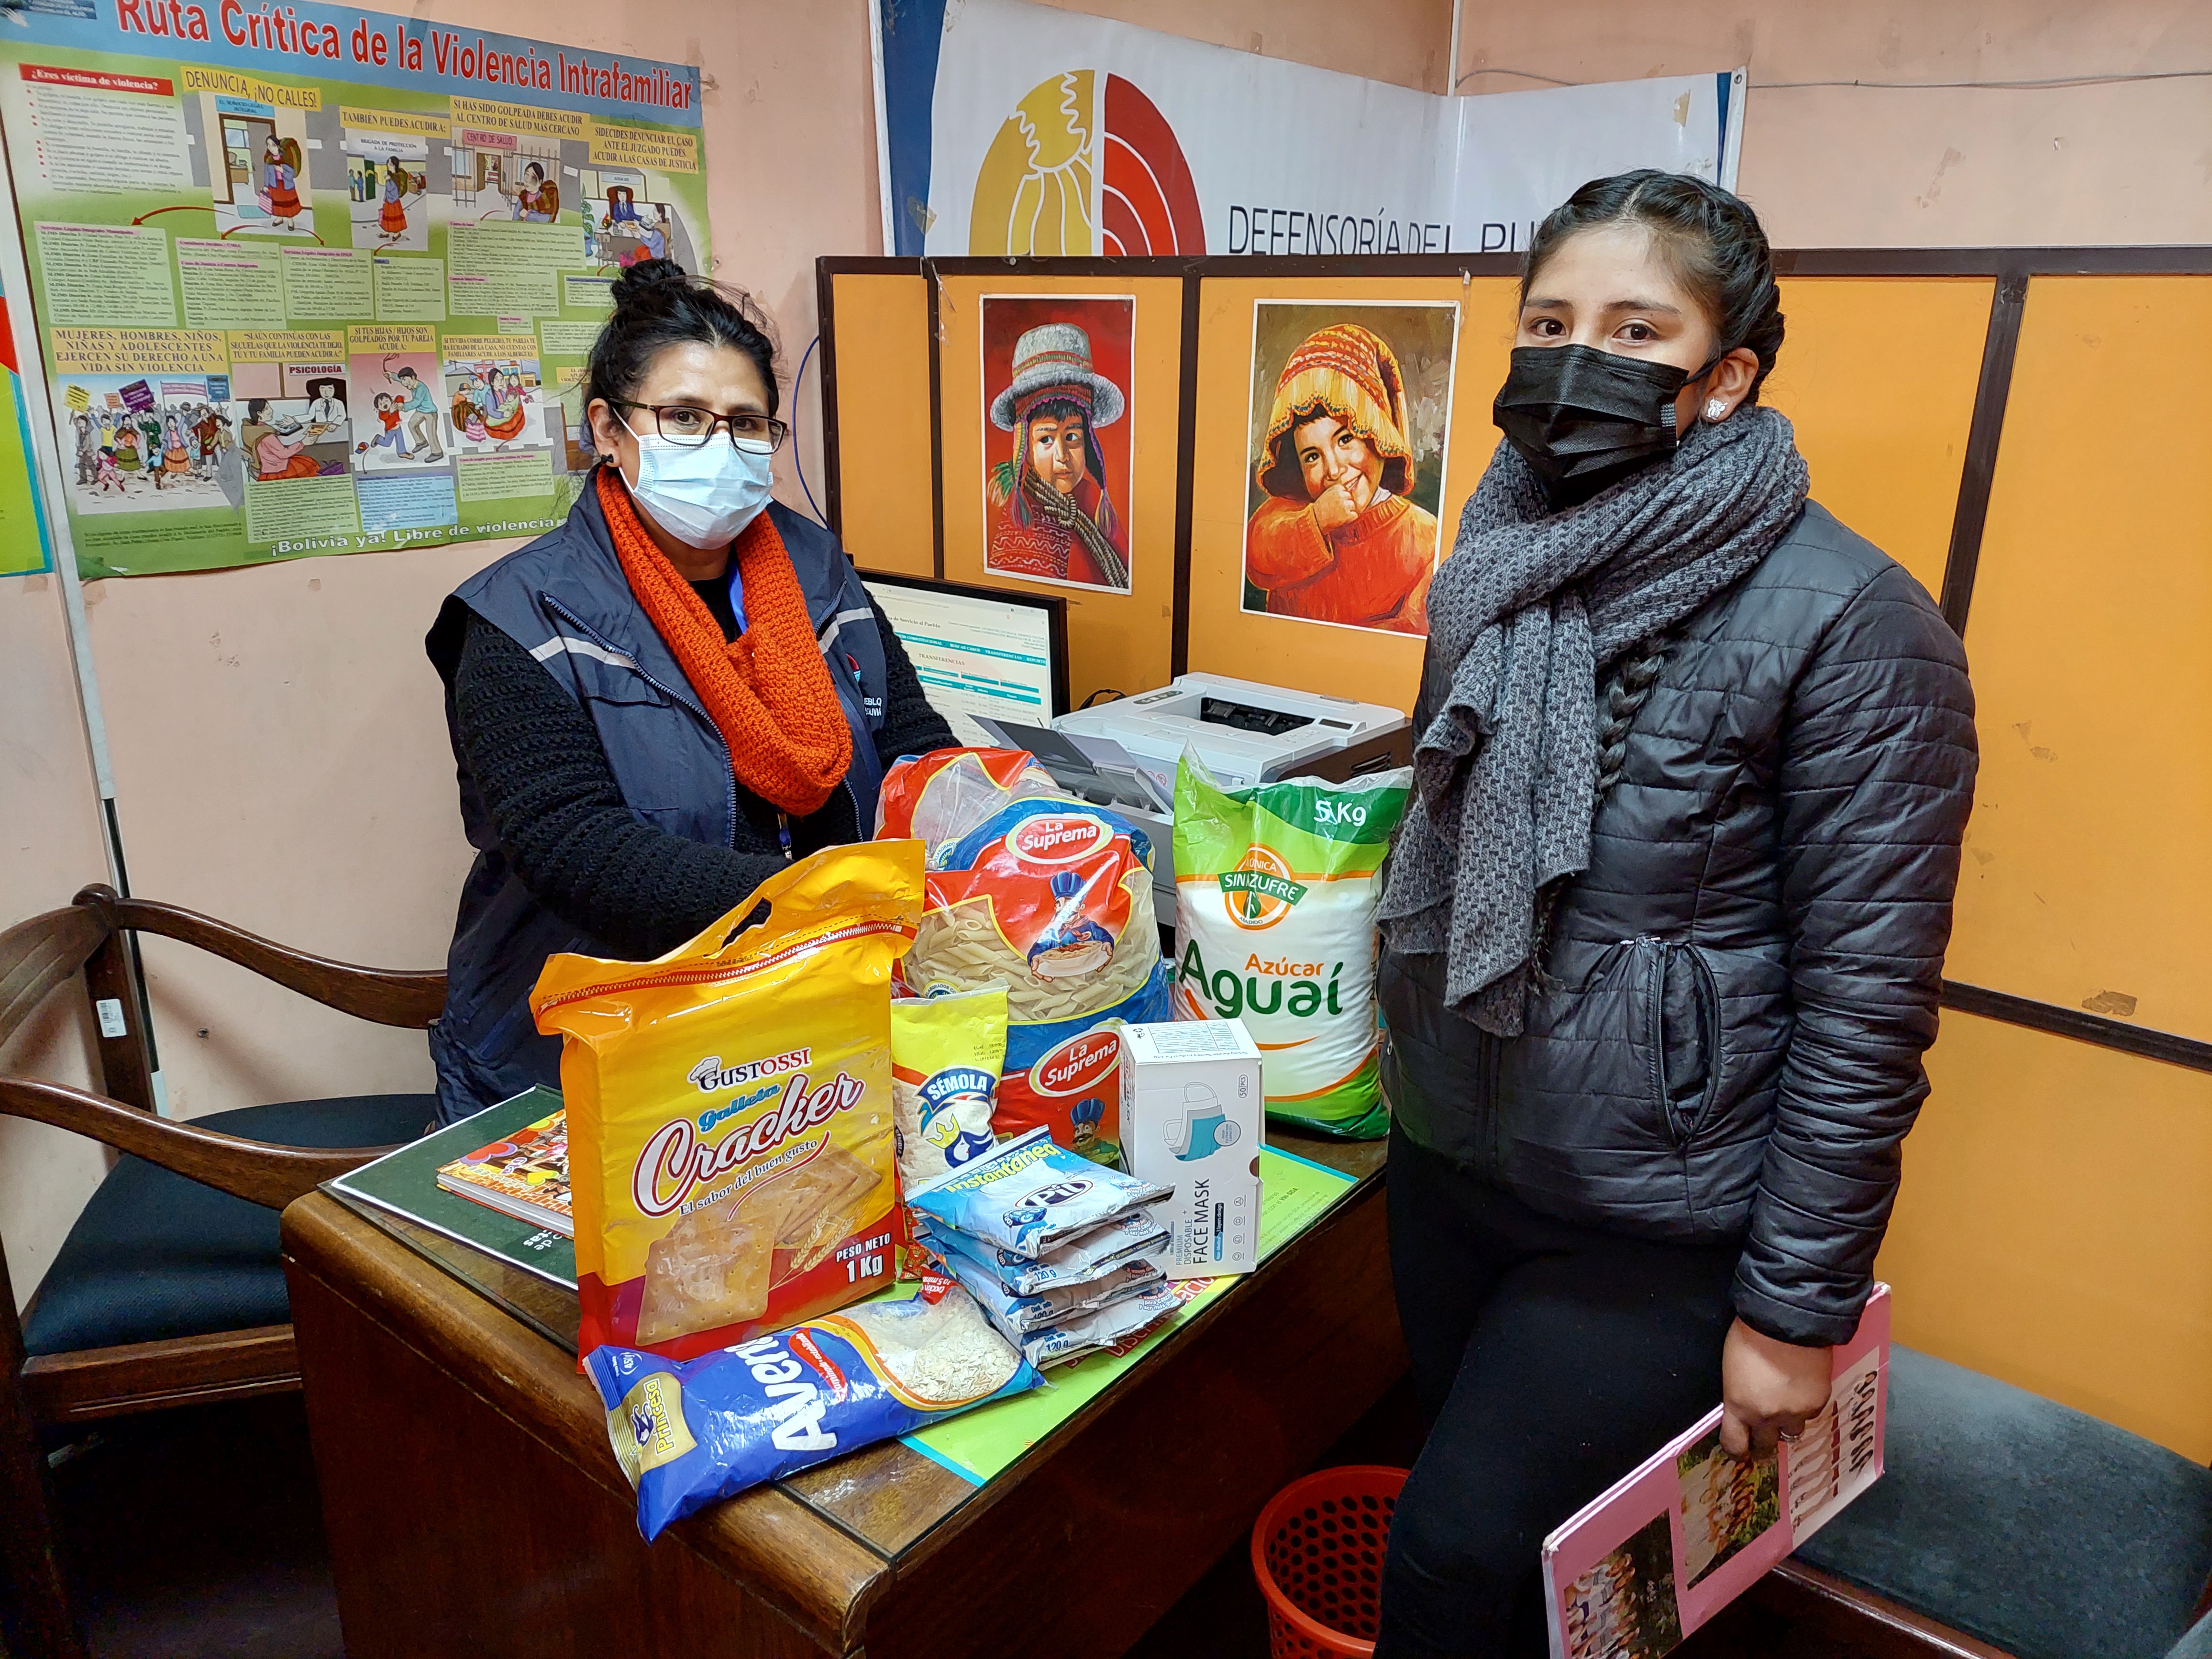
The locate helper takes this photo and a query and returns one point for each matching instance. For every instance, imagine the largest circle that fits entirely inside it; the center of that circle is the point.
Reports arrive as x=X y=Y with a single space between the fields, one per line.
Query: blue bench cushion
x=2025 y=1523
x=155 y=1255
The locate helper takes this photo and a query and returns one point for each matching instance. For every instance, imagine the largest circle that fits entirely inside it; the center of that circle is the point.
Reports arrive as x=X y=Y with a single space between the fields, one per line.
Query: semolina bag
x=945 y=1056
x=730 y=1115
x=1276 y=891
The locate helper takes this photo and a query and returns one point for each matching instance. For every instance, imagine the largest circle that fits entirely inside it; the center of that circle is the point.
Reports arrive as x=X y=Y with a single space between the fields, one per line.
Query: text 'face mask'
x=703 y=496
x=1585 y=419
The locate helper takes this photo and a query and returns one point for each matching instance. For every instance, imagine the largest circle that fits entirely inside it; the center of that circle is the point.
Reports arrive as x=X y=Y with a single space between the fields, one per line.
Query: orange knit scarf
x=769 y=690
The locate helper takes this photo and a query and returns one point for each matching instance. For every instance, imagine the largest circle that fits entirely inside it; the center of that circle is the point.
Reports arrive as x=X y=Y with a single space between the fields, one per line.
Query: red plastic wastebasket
x=1317 y=1553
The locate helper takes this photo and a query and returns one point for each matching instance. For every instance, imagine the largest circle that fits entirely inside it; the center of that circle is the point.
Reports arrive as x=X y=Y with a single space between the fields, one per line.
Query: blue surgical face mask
x=704 y=495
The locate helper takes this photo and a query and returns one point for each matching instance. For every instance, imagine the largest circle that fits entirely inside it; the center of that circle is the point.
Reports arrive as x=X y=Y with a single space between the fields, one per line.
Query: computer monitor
x=979 y=650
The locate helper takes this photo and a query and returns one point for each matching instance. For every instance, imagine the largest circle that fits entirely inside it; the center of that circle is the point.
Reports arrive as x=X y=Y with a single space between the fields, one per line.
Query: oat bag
x=729 y=1113
x=687 y=1434
x=1276 y=889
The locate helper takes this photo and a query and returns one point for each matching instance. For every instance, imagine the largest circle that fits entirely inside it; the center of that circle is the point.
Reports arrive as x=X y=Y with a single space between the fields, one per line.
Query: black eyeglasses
x=681 y=423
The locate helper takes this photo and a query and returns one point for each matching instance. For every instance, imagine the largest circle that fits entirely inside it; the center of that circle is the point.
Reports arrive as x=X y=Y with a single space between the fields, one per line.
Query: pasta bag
x=1052 y=898
x=730 y=1112
x=940 y=796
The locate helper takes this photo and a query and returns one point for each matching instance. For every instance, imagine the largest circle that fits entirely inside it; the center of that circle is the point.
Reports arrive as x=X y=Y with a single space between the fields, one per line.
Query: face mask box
x=1193 y=1118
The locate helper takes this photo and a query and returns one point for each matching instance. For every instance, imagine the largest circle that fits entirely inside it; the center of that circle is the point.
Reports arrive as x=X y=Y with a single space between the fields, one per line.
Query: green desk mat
x=981 y=1443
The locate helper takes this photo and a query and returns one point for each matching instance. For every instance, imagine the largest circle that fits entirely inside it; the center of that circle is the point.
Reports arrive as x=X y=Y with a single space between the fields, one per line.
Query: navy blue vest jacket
x=564 y=599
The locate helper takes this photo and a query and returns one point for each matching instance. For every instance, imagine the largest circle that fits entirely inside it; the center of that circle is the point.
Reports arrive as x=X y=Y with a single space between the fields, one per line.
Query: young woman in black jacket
x=1664 y=929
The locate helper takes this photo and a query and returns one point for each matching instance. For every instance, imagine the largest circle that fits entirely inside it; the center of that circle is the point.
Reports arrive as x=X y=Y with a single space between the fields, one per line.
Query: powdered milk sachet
x=729 y=1113
x=1030 y=1194
x=1082 y=1260
x=1276 y=891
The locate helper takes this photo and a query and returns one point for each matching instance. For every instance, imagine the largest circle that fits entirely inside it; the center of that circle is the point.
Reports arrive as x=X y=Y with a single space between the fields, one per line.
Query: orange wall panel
x=880 y=328
x=1347 y=662
x=1877 y=373
x=2085 y=881
x=1122 y=642
x=2052 y=1229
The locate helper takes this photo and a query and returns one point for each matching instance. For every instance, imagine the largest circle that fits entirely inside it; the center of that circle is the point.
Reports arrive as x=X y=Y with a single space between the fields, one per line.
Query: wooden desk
x=475 y=1509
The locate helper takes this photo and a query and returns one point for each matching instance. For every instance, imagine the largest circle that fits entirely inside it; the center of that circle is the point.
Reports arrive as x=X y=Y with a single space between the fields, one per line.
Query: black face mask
x=1585 y=419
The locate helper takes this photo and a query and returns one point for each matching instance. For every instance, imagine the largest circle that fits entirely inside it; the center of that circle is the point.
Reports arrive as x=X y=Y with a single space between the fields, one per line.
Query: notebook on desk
x=407 y=1184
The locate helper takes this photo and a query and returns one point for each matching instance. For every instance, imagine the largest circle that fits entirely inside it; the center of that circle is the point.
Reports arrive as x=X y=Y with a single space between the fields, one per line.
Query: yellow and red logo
x=1079 y=1064
x=1065 y=177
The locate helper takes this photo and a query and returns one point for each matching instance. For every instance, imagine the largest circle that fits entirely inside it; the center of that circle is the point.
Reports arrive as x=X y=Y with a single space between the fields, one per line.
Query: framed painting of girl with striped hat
x=1351 y=413
x=1057 y=438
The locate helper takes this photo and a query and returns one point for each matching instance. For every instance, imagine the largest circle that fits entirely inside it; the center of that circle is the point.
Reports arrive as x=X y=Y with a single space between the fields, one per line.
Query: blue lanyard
x=737 y=591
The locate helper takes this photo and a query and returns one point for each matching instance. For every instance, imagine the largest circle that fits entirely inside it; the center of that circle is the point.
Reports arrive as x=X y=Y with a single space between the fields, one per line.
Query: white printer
x=1246 y=732
x=1123 y=754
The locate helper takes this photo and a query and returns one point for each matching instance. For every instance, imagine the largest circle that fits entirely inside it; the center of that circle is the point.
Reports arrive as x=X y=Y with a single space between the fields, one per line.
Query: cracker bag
x=730 y=1115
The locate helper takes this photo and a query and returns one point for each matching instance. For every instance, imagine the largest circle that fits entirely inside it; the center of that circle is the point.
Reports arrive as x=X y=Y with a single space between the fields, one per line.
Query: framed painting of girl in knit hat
x=1350 y=412
x=1057 y=437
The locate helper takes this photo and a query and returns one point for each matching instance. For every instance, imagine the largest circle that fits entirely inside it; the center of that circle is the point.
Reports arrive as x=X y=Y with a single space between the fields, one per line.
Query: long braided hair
x=1621 y=695
x=1622 y=691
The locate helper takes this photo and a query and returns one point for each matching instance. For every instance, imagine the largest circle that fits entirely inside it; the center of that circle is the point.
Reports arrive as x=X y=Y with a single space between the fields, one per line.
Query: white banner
x=1019 y=129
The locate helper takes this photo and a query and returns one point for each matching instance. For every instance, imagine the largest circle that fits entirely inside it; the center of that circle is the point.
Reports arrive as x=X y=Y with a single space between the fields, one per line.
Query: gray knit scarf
x=1530 y=608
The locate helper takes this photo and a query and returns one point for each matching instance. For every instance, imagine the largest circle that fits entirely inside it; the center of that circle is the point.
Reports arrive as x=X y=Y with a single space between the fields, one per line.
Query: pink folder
x=1669 y=1546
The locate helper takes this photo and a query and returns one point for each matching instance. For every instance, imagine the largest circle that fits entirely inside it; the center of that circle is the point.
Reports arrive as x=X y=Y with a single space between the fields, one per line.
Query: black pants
x=1549 y=1359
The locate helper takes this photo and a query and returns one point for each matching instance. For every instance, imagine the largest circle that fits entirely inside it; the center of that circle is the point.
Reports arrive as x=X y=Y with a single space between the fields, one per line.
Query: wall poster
x=1351 y=414
x=1058 y=437
x=315 y=280
x=23 y=550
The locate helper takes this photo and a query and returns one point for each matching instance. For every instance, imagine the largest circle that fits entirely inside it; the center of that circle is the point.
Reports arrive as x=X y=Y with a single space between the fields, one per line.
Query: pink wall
x=50 y=846
x=1922 y=164
x=1406 y=42
x=279 y=753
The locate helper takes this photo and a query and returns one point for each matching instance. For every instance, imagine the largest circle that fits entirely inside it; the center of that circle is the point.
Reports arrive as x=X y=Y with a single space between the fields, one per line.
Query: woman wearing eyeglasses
x=658 y=704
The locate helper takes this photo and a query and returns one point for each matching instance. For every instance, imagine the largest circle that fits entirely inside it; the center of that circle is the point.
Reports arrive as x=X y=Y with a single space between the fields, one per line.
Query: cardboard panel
x=2052 y=1229
x=1120 y=641
x=1877 y=373
x=881 y=326
x=2086 y=882
x=1226 y=638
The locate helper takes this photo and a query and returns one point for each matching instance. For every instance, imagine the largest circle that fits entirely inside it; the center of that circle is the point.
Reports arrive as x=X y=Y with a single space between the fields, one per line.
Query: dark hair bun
x=646 y=275
x=657 y=304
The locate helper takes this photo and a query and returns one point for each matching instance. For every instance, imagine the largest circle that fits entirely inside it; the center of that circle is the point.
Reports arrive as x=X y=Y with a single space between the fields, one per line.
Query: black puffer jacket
x=1746 y=977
